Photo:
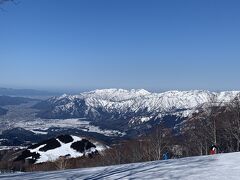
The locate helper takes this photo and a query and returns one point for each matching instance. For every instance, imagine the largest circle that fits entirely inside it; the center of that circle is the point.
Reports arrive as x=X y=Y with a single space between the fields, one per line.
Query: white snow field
x=221 y=166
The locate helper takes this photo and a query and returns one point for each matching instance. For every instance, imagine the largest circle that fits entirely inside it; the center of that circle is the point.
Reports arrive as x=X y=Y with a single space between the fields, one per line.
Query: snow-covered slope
x=132 y=107
x=120 y=98
x=61 y=146
x=221 y=166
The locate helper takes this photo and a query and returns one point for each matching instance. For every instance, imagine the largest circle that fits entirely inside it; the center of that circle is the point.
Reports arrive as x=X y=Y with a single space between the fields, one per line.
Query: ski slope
x=221 y=166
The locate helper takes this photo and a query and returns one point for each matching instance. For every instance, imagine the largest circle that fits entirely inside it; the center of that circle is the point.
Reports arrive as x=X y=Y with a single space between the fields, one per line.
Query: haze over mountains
x=7 y=100
x=25 y=92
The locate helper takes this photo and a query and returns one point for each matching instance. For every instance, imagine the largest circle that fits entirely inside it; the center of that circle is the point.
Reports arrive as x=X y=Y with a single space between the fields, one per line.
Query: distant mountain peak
x=121 y=109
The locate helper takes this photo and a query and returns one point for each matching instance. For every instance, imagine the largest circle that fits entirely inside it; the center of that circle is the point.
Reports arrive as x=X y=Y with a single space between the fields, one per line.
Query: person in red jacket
x=213 y=150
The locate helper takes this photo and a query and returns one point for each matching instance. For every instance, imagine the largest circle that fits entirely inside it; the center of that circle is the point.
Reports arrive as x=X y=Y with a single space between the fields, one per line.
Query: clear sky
x=151 y=44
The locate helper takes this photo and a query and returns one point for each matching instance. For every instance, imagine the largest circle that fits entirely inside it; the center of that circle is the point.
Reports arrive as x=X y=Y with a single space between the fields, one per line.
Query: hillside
x=221 y=166
x=61 y=146
x=125 y=110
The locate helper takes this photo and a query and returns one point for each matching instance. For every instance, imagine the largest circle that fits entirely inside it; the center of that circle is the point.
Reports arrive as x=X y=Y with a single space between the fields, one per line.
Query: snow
x=144 y=119
x=140 y=98
x=140 y=106
x=139 y=119
x=54 y=154
x=40 y=126
x=221 y=166
x=122 y=101
x=115 y=94
x=63 y=150
x=11 y=147
x=39 y=132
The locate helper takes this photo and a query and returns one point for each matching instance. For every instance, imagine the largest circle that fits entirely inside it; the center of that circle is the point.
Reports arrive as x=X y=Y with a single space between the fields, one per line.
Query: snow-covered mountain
x=221 y=166
x=61 y=146
x=123 y=109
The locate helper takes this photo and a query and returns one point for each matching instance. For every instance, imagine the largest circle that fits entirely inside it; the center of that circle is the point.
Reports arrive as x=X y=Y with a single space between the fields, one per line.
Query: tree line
x=217 y=123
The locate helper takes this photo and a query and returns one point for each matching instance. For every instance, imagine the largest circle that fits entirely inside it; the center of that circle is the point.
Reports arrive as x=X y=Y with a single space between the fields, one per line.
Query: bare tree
x=159 y=141
x=197 y=135
x=232 y=124
x=61 y=163
x=201 y=130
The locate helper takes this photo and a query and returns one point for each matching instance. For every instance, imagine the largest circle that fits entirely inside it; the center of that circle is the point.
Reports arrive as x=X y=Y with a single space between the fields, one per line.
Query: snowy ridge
x=220 y=166
x=122 y=99
x=115 y=94
x=138 y=105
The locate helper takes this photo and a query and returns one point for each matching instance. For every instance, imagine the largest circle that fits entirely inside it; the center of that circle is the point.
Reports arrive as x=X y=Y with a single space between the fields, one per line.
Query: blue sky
x=151 y=44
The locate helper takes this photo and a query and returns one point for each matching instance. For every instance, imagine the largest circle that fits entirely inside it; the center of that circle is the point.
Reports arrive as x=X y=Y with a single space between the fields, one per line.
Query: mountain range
x=131 y=110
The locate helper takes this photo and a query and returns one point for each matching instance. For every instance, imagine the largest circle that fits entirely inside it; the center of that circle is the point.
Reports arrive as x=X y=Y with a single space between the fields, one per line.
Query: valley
x=108 y=115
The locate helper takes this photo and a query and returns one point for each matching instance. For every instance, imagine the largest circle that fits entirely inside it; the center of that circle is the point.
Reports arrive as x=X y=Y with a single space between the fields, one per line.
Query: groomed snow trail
x=221 y=166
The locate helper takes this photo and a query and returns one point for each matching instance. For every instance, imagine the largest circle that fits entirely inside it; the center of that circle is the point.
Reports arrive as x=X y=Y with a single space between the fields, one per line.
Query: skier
x=213 y=150
x=165 y=156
